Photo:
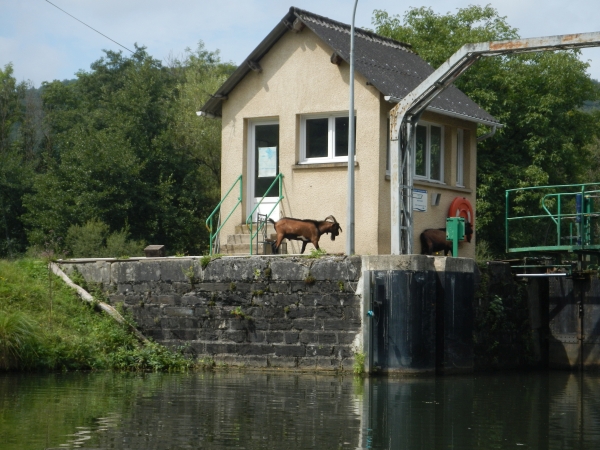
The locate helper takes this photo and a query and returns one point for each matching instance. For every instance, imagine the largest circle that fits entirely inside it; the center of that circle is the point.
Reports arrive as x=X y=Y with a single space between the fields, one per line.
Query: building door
x=263 y=168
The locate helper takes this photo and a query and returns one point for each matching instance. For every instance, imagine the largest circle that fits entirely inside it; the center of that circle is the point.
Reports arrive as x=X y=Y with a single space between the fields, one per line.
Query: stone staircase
x=239 y=243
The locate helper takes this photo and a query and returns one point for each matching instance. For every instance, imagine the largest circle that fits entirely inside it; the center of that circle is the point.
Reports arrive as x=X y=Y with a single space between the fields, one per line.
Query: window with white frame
x=460 y=157
x=429 y=152
x=324 y=138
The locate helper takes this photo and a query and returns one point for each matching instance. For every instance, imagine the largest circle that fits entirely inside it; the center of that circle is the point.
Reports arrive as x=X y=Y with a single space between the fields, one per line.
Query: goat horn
x=331 y=217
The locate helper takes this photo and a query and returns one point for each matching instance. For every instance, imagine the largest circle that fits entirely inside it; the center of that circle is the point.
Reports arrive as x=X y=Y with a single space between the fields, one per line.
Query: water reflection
x=557 y=410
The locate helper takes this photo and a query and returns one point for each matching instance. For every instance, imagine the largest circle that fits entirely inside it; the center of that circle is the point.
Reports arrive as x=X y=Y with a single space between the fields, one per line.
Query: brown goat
x=304 y=230
x=434 y=240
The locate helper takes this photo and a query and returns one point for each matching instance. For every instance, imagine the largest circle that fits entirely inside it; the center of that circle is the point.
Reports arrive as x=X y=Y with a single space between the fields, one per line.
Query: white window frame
x=331 y=138
x=427 y=175
x=460 y=158
x=388 y=152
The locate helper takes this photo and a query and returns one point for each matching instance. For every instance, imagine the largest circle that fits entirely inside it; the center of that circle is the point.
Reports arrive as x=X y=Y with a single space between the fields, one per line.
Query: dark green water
x=554 y=410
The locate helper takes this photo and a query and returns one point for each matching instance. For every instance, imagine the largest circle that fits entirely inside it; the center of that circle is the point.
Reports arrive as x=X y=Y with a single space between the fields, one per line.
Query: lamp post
x=351 y=145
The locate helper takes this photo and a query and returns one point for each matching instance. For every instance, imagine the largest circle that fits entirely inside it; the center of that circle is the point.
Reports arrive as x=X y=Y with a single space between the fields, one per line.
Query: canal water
x=233 y=410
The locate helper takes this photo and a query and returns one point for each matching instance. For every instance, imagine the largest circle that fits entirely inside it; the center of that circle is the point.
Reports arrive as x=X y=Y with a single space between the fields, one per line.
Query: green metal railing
x=209 y=221
x=566 y=219
x=249 y=223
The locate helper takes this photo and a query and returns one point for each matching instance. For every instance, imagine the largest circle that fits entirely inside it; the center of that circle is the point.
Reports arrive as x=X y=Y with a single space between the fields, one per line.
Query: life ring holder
x=461 y=207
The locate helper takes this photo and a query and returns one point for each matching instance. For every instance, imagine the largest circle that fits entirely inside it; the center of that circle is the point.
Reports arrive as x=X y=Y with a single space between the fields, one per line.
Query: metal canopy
x=405 y=115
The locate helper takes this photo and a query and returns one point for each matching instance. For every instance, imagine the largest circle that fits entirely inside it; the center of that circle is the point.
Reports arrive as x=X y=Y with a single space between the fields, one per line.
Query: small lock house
x=284 y=113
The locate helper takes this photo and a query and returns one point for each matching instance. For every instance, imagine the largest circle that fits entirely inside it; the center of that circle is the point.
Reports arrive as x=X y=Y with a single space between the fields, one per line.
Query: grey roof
x=389 y=65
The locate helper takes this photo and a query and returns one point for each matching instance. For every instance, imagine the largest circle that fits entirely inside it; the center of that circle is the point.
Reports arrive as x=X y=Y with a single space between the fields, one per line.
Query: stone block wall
x=264 y=312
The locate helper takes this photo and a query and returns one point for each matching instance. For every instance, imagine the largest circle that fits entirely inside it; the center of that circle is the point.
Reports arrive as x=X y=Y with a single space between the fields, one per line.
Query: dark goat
x=304 y=230
x=434 y=240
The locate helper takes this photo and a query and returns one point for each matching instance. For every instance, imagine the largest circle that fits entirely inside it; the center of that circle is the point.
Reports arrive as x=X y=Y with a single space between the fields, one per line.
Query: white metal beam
x=405 y=114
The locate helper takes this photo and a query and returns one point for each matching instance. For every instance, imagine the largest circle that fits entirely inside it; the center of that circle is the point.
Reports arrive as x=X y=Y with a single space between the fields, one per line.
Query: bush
x=19 y=338
x=151 y=357
x=86 y=241
x=95 y=240
x=483 y=252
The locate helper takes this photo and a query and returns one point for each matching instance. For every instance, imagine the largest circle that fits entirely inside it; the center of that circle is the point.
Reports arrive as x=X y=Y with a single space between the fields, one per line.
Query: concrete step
x=234 y=249
x=245 y=238
x=239 y=243
x=238 y=239
x=243 y=229
x=244 y=249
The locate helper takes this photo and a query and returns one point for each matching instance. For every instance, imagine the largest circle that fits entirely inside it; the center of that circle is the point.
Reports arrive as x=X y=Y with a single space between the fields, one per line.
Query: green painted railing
x=559 y=206
x=209 y=221
x=278 y=180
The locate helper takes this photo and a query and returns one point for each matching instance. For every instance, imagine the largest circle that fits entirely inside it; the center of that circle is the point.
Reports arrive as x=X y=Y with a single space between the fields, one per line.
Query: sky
x=43 y=43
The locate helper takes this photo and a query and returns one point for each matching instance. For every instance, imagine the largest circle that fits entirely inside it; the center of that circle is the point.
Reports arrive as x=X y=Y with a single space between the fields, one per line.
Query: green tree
x=200 y=74
x=17 y=154
x=113 y=154
x=538 y=97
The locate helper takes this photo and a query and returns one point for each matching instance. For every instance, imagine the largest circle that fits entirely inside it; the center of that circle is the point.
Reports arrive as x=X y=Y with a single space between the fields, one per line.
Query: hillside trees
x=547 y=136
x=19 y=151
x=115 y=154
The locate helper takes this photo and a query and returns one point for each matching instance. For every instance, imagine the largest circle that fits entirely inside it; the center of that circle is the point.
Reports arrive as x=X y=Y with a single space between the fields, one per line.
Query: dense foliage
x=548 y=138
x=45 y=326
x=19 y=141
x=120 y=147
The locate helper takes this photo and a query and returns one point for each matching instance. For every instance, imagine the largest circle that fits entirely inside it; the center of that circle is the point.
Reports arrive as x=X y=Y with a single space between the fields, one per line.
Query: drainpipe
x=351 y=146
x=487 y=135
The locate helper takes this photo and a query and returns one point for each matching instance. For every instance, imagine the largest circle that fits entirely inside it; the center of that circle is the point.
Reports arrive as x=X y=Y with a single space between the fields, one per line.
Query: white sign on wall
x=267 y=162
x=420 y=200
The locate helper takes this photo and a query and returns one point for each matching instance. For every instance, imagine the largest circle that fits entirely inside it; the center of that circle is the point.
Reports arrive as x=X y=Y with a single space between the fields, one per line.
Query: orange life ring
x=461 y=207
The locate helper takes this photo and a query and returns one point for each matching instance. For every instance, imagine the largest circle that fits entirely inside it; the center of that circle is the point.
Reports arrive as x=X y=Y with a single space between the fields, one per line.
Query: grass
x=206 y=259
x=359 y=363
x=237 y=312
x=19 y=336
x=316 y=254
x=74 y=335
x=483 y=252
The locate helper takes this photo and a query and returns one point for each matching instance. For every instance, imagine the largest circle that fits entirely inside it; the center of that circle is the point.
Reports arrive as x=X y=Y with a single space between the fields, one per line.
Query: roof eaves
x=213 y=105
x=480 y=120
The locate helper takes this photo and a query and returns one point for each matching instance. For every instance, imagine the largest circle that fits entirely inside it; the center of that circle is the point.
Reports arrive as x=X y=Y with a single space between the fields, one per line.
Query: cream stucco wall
x=298 y=78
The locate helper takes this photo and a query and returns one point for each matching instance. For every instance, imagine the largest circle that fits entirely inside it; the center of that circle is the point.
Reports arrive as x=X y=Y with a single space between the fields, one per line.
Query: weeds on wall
x=204 y=261
x=316 y=254
x=237 y=312
x=359 y=364
x=206 y=363
x=190 y=274
x=310 y=280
